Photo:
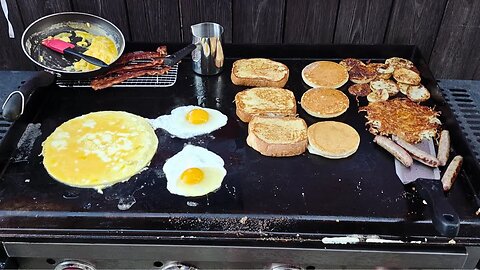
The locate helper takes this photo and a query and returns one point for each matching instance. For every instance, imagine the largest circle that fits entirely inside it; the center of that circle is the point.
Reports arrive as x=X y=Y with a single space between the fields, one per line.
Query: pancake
x=324 y=103
x=325 y=74
x=99 y=149
x=332 y=139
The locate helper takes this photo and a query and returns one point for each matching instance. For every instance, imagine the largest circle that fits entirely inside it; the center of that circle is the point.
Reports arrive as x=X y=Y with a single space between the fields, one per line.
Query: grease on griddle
x=26 y=142
x=231 y=224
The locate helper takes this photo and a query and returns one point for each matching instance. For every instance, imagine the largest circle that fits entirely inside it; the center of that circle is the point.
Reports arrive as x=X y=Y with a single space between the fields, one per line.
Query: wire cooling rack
x=164 y=80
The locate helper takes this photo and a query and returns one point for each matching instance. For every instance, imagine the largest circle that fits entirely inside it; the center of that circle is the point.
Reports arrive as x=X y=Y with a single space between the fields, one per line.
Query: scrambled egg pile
x=100 y=47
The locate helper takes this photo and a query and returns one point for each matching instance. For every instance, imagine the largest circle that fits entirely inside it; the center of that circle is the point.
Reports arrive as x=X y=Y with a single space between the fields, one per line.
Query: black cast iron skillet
x=56 y=64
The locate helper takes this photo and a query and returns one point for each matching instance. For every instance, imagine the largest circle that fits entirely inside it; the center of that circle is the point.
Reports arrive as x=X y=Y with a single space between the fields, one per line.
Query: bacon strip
x=107 y=81
x=138 y=66
x=129 y=57
x=124 y=68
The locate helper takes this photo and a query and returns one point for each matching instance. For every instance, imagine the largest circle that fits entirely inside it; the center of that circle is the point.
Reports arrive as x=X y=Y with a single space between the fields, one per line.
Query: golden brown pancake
x=324 y=103
x=402 y=117
x=332 y=139
x=325 y=74
x=99 y=149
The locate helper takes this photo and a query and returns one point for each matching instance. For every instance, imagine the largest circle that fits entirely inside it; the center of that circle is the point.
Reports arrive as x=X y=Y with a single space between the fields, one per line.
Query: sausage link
x=394 y=149
x=416 y=153
x=452 y=172
x=443 y=147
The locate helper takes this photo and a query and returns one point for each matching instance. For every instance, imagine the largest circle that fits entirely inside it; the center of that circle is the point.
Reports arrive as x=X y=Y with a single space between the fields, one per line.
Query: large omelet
x=99 y=149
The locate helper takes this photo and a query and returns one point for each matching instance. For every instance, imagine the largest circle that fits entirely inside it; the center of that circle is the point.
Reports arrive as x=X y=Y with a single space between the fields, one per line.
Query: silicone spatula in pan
x=68 y=48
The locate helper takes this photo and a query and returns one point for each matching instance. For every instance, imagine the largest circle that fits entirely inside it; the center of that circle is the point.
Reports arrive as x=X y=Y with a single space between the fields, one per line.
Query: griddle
x=266 y=201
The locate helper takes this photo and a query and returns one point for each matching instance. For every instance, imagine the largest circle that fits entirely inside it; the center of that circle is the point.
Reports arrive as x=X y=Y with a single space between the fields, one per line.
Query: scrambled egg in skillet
x=100 y=47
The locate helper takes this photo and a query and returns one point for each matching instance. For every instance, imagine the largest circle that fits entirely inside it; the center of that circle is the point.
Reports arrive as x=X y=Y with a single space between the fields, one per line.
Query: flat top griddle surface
x=306 y=193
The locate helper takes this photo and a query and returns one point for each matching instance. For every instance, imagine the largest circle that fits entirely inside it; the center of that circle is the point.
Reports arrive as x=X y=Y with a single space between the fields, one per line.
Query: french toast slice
x=278 y=136
x=259 y=72
x=265 y=101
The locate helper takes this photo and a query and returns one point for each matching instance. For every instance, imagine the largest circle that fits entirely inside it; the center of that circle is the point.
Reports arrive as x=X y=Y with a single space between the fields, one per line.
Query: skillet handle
x=14 y=105
x=444 y=218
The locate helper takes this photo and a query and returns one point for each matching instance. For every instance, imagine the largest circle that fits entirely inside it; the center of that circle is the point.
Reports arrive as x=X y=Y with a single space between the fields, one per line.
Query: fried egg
x=190 y=121
x=194 y=172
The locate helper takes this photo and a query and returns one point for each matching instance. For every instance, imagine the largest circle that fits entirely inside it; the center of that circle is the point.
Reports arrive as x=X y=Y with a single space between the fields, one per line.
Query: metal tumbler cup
x=208 y=56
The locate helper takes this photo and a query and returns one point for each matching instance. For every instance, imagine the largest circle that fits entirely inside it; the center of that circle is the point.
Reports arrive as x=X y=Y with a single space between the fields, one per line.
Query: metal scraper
x=428 y=184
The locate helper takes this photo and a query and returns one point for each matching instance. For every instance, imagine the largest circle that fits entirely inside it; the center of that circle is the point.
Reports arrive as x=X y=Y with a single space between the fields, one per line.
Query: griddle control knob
x=177 y=266
x=284 y=267
x=74 y=265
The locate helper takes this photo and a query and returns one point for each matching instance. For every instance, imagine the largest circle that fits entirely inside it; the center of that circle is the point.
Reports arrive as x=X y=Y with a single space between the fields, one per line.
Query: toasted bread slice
x=266 y=101
x=360 y=89
x=325 y=74
x=388 y=85
x=378 y=95
x=277 y=137
x=259 y=72
x=407 y=76
x=418 y=93
x=324 y=103
x=332 y=139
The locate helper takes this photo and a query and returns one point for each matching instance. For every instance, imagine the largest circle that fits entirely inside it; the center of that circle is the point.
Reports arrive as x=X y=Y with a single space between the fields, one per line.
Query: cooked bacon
x=128 y=66
x=107 y=81
x=139 y=55
x=136 y=66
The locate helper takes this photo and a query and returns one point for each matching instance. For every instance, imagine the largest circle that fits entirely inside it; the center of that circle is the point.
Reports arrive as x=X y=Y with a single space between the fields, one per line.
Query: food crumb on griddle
x=243 y=220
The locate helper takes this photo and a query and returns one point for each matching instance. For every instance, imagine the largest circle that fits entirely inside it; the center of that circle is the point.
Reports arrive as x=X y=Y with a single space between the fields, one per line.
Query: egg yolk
x=192 y=176
x=197 y=116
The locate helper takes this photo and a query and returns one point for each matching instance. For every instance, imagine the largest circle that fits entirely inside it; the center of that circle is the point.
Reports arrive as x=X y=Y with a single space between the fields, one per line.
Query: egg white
x=176 y=123
x=194 y=157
